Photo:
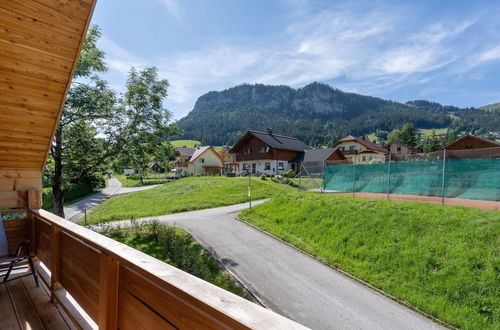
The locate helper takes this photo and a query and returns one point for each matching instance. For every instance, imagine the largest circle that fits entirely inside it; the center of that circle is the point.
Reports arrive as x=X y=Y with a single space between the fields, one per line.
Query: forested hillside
x=317 y=114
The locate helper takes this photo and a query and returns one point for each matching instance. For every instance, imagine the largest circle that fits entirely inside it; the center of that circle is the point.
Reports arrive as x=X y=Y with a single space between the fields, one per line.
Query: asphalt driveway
x=288 y=281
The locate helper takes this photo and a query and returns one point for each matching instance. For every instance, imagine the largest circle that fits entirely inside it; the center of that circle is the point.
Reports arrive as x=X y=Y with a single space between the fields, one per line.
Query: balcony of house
x=254 y=156
x=93 y=281
x=180 y=164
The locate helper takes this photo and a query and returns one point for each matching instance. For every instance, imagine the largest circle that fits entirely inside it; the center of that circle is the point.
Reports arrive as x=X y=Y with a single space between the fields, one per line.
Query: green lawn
x=185 y=143
x=135 y=181
x=444 y=260
x=182 y=195
x=428 y=131
x=175 y=247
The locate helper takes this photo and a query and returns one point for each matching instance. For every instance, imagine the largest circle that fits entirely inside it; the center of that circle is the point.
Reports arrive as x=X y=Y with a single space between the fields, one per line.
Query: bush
x=263 y=176
x=289 y=174
x=75 y=191
x=198 y=174
x=175 y=247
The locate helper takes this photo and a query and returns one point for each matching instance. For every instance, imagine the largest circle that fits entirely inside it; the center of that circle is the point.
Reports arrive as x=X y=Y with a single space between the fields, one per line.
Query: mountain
x=491 y=107
x=316 y=114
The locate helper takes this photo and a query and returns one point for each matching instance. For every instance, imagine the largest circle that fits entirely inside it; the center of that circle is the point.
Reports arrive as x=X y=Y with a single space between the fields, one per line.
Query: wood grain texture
x=40 y=42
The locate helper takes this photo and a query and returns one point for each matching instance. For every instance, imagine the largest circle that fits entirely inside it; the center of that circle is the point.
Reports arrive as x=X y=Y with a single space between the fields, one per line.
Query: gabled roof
x=490 y=143
x=186 y=151
x=200 y=151
x=275 y=141
x=368 y=145
x=315 y=155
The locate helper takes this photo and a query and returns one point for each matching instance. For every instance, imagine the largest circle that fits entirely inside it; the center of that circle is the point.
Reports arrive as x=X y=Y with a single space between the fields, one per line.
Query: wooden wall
x=14 y=187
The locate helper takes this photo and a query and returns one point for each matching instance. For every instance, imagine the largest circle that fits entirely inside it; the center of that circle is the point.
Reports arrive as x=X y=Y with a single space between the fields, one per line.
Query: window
x=267 y=166
x=341 y=148
x=281 y=166
x=370 y=158
x=353 y=147
x=247 y=151
x=262 y=149
x=398 y=149
x=363 y=159
x=202 y=160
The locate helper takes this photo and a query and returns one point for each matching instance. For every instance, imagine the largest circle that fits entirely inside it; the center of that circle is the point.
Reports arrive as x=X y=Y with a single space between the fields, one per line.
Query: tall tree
x=434 y=143
x=82 y=142
x=408 y=135
x=145 y=135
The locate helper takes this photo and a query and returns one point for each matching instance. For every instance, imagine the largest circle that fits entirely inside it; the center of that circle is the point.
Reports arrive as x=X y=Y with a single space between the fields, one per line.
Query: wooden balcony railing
x=256 y=156
x=180 y=164
x=101 y=283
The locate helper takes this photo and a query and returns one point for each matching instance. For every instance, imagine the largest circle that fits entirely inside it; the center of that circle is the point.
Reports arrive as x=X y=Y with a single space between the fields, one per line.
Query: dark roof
x=186 y=151
x=280 y=142
x=480 y=139
x=314 y=155
x=367 y=144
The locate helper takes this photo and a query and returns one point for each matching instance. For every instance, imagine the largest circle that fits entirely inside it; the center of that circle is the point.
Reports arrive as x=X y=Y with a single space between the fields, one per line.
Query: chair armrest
x=25 y=245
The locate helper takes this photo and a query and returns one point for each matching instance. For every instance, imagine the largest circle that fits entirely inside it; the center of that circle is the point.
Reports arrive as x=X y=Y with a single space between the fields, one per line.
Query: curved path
x=76 y=211
x=290 y=282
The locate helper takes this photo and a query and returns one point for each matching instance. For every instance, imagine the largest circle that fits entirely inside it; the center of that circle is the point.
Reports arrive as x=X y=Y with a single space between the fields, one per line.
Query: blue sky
x=444 y=51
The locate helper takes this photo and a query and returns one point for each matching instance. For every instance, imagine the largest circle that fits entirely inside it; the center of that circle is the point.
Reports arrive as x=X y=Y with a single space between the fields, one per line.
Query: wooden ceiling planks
x=40 y=41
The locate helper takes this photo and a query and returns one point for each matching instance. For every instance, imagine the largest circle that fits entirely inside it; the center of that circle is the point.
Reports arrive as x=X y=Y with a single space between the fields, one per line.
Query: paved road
x=75 y=212
x=289 y=282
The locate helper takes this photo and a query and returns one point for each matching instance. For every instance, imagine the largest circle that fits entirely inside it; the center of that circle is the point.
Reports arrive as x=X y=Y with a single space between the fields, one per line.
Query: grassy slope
x=445 y=260
x=176 y=247
x=185 y=143
x=128 y=182
x=428 y=131
x=182 y=195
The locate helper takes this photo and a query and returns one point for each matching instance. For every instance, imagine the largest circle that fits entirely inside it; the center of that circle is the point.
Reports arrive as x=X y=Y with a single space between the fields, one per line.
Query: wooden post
x=55 y=260
x=108 y=292
x=33 y=201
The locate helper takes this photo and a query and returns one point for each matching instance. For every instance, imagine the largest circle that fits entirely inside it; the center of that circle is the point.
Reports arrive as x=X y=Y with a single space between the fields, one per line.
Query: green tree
x=408 y=135
x=80 y=150
x=144 y=137
x=434 y=143
x=394 y=136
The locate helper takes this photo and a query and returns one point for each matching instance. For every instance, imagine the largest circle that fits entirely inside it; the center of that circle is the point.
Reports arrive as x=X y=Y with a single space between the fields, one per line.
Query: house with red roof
x=360 y=151
x=201 y=160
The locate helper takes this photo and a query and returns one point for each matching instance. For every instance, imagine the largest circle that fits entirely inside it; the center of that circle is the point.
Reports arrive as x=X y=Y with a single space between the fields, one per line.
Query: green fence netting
x=465 y=178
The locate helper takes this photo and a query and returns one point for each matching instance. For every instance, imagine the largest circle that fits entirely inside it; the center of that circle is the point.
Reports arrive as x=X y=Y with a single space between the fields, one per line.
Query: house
x=471 y=142
x=267 y=153
x=314 y=159
x=400 y=151
x=200 y=160
x=229 y=163
x=360 y=151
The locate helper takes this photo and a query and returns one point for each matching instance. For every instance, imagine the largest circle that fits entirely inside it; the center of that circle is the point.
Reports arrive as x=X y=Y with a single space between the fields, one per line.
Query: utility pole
x=249 y=190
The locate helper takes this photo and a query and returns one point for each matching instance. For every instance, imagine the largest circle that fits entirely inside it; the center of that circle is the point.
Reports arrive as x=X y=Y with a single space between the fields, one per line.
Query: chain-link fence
x=466 y=174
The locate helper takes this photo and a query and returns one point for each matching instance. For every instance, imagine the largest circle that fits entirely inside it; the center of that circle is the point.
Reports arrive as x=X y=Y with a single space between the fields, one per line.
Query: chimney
x=269 y=131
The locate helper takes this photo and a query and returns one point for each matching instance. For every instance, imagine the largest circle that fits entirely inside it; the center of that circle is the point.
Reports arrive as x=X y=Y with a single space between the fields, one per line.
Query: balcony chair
x=11 y=261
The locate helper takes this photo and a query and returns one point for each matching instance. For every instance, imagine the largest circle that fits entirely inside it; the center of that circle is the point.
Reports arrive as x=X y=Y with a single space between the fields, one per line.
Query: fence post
x=388 y=176
x=443 y=177
x=353 y=175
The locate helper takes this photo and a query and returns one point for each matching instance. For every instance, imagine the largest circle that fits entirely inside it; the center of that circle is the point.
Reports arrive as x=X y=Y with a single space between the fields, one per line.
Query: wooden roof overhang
x=40 y=42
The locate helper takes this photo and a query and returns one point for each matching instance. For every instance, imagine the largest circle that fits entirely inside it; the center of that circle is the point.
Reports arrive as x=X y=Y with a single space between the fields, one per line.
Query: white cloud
x=173 y=8
x=365 y=46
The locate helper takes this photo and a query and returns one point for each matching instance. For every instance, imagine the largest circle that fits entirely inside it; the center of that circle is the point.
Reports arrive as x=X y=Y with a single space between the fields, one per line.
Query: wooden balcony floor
x=24 y=306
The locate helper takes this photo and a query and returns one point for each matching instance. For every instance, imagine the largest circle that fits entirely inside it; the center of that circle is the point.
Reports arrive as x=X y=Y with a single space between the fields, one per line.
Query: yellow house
x=360 y=151
x=201 y=160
